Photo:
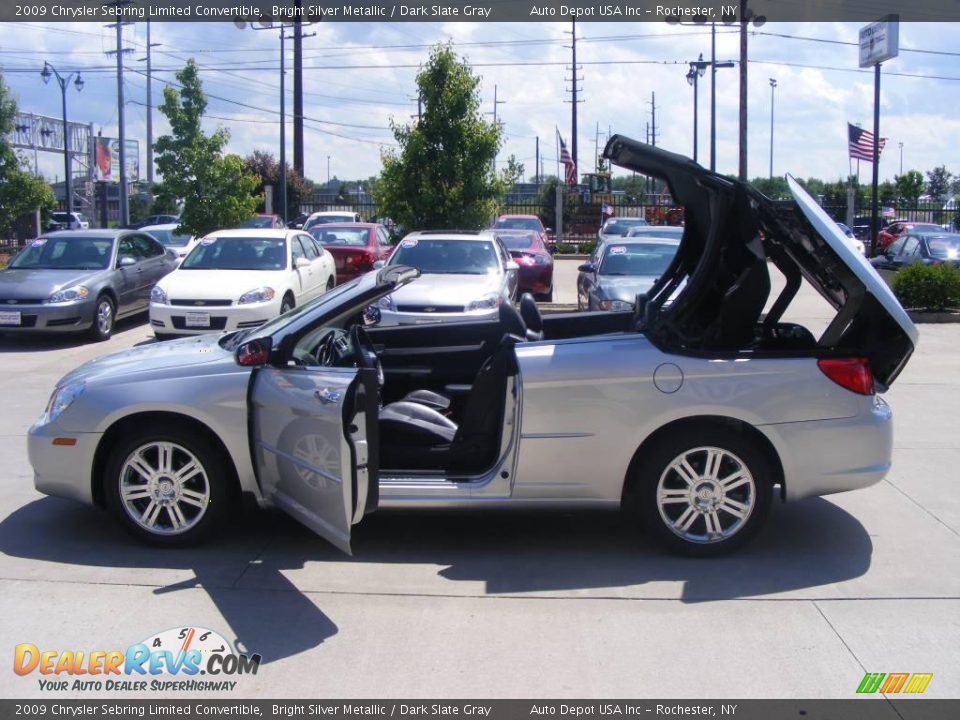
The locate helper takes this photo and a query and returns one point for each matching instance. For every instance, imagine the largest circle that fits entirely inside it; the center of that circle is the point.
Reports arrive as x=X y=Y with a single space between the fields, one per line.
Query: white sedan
x=236 y=279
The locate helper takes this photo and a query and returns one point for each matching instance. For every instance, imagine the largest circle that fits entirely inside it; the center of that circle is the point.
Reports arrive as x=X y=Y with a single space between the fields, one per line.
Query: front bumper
x=821 y=457
x=62 y=470
x=173 y=319
x=62 y=318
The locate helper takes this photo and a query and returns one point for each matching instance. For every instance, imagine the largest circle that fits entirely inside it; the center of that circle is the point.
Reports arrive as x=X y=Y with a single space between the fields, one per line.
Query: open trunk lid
x=712 y=297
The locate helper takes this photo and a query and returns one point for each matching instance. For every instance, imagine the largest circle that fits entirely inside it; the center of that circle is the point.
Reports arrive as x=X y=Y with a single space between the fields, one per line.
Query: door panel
x=305 y=463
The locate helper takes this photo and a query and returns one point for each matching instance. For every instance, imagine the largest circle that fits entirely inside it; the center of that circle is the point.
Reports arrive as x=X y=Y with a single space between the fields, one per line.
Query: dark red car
x=355 y=246
x=529 y=250
x=897 y=228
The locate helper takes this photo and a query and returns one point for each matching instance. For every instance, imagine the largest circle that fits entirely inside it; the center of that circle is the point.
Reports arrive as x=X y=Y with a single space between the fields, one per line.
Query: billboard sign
x=880 y=41
x=106 y=167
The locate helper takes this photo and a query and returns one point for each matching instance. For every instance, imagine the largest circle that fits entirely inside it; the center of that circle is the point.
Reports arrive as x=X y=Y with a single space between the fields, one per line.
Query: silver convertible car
x=689 y=412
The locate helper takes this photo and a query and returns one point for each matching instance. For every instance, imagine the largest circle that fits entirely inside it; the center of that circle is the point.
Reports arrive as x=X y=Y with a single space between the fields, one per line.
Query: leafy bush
x=584 y=248
x=928 y=287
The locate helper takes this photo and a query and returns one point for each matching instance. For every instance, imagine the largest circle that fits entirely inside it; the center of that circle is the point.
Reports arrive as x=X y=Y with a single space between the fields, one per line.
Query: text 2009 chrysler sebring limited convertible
x=690 y=411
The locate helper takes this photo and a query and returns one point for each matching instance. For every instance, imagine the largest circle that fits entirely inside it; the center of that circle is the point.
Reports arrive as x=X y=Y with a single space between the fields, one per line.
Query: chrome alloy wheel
x=164 y=488
x=104 y=317
x=706 y=495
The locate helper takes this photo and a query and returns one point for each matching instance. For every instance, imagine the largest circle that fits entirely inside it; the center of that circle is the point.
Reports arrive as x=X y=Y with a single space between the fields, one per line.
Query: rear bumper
x=535 y=279
x=821 y=457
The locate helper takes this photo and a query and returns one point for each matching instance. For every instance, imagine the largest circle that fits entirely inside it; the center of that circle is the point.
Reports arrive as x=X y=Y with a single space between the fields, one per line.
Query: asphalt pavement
x=515 y=604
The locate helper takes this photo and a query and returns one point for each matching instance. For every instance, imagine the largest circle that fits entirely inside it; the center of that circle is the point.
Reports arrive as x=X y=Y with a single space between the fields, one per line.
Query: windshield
x=638 y=259
x=327 y=219
x=518 y=224
x=447 y=257
x=237 y=253
x=168 y=239
x=622 y=225
x=656 y=232
x=519 y=241
x=65 y=253
x=327 y=235
x=260 y=221
x=945 y=247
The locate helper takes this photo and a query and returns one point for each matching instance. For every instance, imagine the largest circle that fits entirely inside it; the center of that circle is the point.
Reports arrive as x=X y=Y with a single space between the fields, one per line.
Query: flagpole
x=874 y=217
x=556 y=140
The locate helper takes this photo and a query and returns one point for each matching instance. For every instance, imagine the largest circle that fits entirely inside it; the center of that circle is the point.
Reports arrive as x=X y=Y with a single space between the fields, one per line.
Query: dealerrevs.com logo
x=170 y=661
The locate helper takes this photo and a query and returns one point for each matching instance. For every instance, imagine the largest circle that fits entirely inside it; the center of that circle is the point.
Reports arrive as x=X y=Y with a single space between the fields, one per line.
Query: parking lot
x=518 y=604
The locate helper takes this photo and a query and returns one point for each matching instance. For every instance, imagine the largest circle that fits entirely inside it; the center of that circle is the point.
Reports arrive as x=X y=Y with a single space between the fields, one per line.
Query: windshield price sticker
x=410 y=243
x=39 y=241
x=618 y=250
x=208 y=241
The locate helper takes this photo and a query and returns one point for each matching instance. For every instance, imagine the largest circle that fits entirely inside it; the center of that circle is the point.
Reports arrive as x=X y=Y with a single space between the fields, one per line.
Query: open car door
x=315 y=445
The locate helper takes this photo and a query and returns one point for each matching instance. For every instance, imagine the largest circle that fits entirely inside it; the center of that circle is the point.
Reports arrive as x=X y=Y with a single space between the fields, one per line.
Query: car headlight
x=69 y=295
x=62 y=398
x=387 y=303
x=615 y=305
x=487 y=302
x=258 y=295
x=157 y=295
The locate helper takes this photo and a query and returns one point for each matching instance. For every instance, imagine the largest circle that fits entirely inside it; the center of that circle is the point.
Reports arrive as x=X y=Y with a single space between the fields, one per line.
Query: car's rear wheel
x=104 y=316
x=704 y=492
x=168 y=486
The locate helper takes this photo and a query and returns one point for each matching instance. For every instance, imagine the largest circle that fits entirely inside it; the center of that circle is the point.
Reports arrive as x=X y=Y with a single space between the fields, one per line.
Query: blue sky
x=349 y=109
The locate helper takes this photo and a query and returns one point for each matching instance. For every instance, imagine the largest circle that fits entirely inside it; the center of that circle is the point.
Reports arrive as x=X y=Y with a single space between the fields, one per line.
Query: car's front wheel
x=705 y=491
x=168 y=486
x=104 y=316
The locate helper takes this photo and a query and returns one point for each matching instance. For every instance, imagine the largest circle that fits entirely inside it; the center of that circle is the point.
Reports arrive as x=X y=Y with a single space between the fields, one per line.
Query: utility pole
x=773 y=85
x=653 y=119
x=124 y=197
x=149 y=110
x=573 y=95
x=298 y=90
x=494 y=113
x=537 y=166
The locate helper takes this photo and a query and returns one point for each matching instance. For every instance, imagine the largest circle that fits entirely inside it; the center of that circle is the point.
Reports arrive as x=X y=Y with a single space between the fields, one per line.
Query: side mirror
x=512 y=266
x=301 y=262
x=254 y=353
x=378 y=264
x=587 y=268
x=126 y=261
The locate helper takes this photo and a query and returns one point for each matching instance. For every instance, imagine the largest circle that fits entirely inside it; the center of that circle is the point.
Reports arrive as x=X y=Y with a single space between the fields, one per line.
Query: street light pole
x=773 y=85
x=697 y=69
x=48 y=72
x=901 y=158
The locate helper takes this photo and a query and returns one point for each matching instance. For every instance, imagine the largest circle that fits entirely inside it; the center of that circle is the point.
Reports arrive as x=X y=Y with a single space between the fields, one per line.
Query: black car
x=929 y=249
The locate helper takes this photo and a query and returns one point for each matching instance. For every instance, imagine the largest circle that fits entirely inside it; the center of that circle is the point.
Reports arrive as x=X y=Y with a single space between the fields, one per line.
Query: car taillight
x=850 y=373
x=523 y=259
x=364 y=259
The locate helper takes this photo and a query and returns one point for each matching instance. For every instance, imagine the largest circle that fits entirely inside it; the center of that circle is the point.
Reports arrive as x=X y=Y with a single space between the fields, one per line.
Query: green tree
x=443 y=173
x=909 y=186
x=20 y=192
x=267 y=169
x=774 y=188
x=938 y=182
x=216 y=189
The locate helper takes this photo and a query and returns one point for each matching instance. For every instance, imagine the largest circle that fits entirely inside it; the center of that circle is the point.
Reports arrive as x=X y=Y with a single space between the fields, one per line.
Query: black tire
x=287 y=304
x=331 y=283
x=547 y=296
x=704 y=504
x=104 y=318
x=202 y=511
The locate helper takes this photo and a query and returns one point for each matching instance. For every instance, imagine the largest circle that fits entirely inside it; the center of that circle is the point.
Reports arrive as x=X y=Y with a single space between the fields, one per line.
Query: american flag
x=568 y=163
x=861 y=143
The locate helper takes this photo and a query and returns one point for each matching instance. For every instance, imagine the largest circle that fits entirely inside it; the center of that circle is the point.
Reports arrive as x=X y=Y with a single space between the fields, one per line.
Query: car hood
x=626 y=288
x=153 y=357
x=719 y=280
x=219 y=284
x=438 y=289
x=40 y=284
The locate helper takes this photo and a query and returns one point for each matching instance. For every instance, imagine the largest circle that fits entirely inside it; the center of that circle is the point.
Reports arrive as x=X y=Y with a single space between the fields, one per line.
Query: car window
x=447 y=256
x=896 y=246
x=296 y=250
x=382 y=237
x=308 y=247
x=910 y=245
x=327 y=235
x=127 y=248
x=147 y=247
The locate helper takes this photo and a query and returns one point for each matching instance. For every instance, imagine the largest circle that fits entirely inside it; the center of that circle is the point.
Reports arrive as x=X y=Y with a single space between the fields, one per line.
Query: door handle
x=327 y=396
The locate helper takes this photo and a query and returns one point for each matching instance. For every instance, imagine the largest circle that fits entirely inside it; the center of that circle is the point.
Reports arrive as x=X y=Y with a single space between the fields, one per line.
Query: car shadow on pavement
x=18 y=343
x=807 y=544
x=91 y=547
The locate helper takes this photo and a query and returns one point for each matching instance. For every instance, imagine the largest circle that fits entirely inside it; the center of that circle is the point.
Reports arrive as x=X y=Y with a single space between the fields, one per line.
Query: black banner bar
x=469 y=11
x=861 y=709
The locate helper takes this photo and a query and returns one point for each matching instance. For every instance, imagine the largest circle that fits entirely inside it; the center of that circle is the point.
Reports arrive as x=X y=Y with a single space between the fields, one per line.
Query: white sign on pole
x=880 y=41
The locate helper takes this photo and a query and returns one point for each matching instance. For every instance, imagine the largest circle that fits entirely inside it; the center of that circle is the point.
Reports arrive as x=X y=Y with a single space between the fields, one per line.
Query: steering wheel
x=327 y=353
x=364 y=351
